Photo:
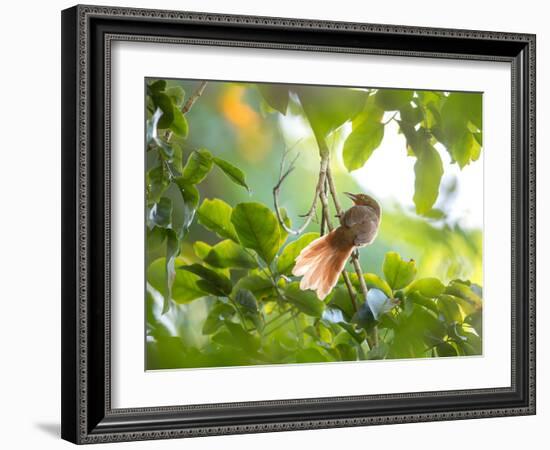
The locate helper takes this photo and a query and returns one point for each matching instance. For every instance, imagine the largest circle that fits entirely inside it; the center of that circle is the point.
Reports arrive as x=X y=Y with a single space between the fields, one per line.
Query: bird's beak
x=350 y=195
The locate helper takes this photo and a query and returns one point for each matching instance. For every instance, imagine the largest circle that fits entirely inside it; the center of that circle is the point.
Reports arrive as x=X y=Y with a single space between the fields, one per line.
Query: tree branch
x=311 y=212
x=188 y=105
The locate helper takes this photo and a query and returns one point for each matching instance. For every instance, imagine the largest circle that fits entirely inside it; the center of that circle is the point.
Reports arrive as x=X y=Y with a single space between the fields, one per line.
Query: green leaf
x=417 y=298
x=229 y=254
x=374 y=281
x=357 y=336
x=172 y=251
x=257 y=228
x=330 y=107
x=282 y=231
x=340 y=299
x=157 y=182
x=379 y=303
x=177 y=159
x=276 y=96
x=393 y=99
x=201 y=249
x=197 y=166
x=460 y=115
x=166 y=151
x=160 y=213
x=190 y=196
x=286 y=260
x=398 y=273
x=428 y=287
x=156 y=86
x=364 y=317
x=370 y=112
x=215 y=215
x=184 y=287
x=470 y=299
x=360 y=144
x=411 y=115
x=378 y=352
x=445 y=350
x=164 y=102
x=234 y=173
x=179 y=124
x=475 y=319
x=311 y=355
x=155 y=238
x=465 y=149
x=216 y=317
x=260 y=286
x=243 y=339
x=449 y=308
x=246 y=299
x=249 y=306
x=305 y=301
x=428 y=171
x=176 y=94
x=215 y=283
x=458 y=109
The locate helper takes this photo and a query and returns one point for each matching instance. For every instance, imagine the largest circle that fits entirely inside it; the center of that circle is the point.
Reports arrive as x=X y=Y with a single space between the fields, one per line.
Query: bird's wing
x=358 y=214
x=362 y=221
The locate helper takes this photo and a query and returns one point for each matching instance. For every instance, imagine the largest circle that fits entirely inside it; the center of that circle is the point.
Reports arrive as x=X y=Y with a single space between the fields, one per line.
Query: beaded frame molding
x=87 y=35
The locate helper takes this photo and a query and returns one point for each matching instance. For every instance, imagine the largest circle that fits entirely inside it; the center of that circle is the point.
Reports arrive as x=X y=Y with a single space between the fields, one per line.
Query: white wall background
x=30 y=222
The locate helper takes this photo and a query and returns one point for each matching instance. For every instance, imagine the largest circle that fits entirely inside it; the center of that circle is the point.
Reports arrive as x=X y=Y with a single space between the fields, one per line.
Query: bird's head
x=364 y=200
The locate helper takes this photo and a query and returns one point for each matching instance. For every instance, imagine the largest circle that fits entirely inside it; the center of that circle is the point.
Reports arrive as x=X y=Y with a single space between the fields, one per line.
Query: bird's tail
x=320 y=263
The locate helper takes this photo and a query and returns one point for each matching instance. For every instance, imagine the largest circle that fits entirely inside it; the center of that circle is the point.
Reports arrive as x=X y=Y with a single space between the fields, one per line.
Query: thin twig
x=282 y=324
x=390 y=119
x=188 y=105
x=323 y=212
x=276 y=318
x=191 y=100
x=311 y=212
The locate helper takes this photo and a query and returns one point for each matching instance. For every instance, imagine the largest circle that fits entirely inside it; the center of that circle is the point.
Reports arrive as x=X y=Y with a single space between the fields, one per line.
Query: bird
x=321 y=262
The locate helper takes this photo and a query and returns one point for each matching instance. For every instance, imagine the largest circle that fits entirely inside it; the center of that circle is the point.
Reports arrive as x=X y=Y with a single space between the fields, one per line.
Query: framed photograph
x=281 y=224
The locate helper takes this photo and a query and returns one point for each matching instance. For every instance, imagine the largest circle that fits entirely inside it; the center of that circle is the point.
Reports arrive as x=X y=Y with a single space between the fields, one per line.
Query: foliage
x=233 y=301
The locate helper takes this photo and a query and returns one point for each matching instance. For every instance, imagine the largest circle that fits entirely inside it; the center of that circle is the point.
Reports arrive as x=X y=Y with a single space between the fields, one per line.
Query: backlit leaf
x=215 y=215
x=257 y=228
x=428 y=287
x=260 y=286
x=305 y=301
x=428 y=171
x=234 y=173
x=229 y=254
x=217 y=283
x=197 y=166
x=276 y=96
x=393 y=99
x=360 y=144
x=184 y=287
x=179 y=123
x=330 y=107
x=398 y=272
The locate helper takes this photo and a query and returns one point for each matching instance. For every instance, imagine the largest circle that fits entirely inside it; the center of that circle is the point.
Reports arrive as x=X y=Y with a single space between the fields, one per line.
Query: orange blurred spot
x=236 y=110
x=254 y=139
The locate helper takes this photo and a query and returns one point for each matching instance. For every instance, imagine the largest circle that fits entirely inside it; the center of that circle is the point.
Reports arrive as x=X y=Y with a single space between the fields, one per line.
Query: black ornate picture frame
x=87 y=35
